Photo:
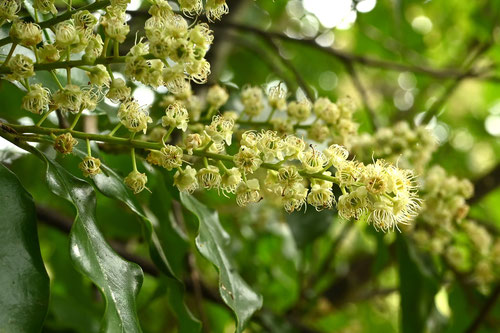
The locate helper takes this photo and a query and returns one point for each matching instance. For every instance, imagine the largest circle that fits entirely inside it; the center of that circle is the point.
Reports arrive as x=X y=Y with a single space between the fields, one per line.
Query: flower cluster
x=272 y=159
x=283 y=167
x=445 y=197
x=444 y=230
x=171 y=55
x=410 y=148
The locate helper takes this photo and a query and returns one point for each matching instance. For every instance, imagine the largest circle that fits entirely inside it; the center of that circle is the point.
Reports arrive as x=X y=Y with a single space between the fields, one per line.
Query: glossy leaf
x=307 y=226
x=118 y=279
x=111 y=184
x=211 y=242
x=417 y=287
x=24 y=292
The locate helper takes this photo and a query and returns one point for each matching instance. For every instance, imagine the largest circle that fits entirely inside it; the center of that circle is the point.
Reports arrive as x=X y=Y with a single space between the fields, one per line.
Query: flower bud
x=69 y=99
x=253 y=101
x=37 y=99
x=45 y=6
x=176 y=116
x=192 y=141
x=326 y=110
x=215 y=9
x=48 y=53
x=64 y=143
x=247 y=159
x=299 y=111
x=90 y=166
x=209 y=177
x=282 y=126
x=217 y=96
x=21 y=67
x=318 y=132
x=99 y=76
x=248 y=192
x=66 y=35
x=118 y=91
x=136 y=181
x=26 y=34
x=185 y=180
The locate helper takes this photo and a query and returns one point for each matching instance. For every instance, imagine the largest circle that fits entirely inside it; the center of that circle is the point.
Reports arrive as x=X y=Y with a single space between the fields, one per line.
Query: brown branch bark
x=373 y=118
x=441 y=73
x=485 y=310
x=485 y=185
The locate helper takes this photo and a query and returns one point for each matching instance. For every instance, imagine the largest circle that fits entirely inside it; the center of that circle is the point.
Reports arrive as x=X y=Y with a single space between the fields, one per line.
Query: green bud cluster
x=411 y=148
x=444 y=230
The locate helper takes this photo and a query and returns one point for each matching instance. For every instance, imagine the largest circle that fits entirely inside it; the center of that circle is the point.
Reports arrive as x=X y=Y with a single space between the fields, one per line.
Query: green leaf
x=111 y=185
x=211 y=242
x=24 y=295
x=118 y=279
x=417 y=287
x=308 y=226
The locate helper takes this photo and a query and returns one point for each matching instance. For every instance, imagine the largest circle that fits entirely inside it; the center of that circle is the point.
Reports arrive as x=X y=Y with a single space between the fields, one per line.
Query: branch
x=485 y=310
x=485 y=185
x=302 y=83
x=264 y=57
x=442 y=73
x=468 y=70
x=373 y=119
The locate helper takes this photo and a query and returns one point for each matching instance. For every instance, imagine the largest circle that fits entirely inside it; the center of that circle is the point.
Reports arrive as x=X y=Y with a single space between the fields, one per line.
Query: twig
x=485 y=310
x=373 y=118
x=442 y=73
x=302 y=82
x=264 y=57
x=485 y=185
